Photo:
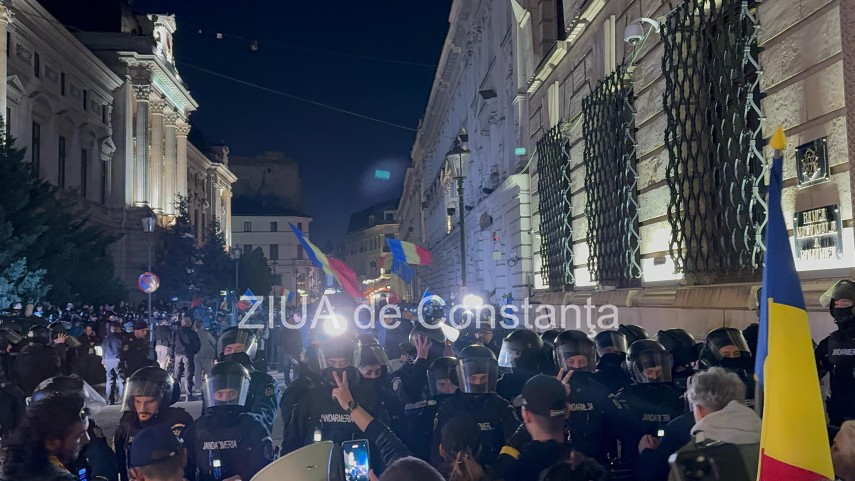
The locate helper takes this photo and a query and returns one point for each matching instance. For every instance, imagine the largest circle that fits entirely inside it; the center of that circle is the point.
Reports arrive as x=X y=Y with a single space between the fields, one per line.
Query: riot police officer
x=64 y=345
x=240 y=345
x=835 y=355
x=410 y=382
x=548 y=338
x=681 y=345
x=727 y=348
x=320 y=417
x=97 y=459
x=149 y=395
x=648 y=405
x=9 y=340
x=304 y=375
x=522 y=358
x=419 y=417
x=373 y=365
x=633 y=332
x=574 y=356
x=477 y=373
x=611 y=349
x=135 y=350
x=226 y=441
x=37 y=361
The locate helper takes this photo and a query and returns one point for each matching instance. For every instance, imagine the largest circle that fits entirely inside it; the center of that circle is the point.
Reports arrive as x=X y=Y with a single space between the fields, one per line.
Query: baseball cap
x=138 y=325
x=152 y=446
x=545 y=396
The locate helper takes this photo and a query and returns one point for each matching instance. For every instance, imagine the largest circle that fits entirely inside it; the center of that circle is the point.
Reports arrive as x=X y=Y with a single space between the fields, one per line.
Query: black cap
x=152 y=446
x=545 y=396
x=140 y=325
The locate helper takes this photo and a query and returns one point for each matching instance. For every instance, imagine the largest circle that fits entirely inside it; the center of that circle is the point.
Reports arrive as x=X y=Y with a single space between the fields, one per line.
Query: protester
x=185 y=345
x=843 y=452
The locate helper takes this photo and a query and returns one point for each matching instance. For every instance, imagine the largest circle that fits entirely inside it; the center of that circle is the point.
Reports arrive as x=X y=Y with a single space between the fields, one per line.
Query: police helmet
x=68 y=385
x=521 y=349
x=57 y=328
x=751 y=333
x=370 y=353
x=236 y=344
x=842 y=289
x=8 y=337
x=610 y=342
x=150 y=381
x=442 y=376
x=226 y=386
x=633 y=333
x=336 y=348
x=548 y=337
x=431 y=331
x=726 y=347
x=478 y=370
x=680 y=344
x=38 y=335
x=574 y=351
x=649 y=362
x=309 y=357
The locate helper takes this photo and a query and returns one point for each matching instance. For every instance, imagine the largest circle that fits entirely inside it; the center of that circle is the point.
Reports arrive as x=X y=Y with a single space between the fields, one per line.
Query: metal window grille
x=553 y=150
x=715 y=167
x=611 y=182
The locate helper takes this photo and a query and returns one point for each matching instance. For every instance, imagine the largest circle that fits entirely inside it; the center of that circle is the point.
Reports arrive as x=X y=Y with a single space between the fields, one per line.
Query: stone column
x=5 y=20
x=156 y=171
x=170 y=170
x=182 y=129
x=141 y=83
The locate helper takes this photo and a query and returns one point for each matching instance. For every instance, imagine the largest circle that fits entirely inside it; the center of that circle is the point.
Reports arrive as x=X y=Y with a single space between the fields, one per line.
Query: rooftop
x=263 y=205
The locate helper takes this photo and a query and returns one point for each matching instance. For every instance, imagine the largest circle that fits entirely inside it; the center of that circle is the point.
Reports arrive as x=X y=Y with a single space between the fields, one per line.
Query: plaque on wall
x=812 y=162
x=818 y=234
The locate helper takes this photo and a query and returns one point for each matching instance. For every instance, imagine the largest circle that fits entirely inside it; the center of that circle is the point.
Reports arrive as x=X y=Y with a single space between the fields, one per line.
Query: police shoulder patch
x=268 y=391
x=178 y=429
x=396 y=383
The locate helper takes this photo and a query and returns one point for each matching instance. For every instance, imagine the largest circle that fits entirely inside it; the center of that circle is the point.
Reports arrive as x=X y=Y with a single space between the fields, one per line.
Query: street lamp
x=237 y=253
x=148 y=222
x=458 y=158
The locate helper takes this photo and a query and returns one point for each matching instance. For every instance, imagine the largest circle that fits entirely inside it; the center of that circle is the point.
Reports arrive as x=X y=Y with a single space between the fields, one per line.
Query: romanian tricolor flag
x=334 y=268
x=408 y=252
x=287 y=294
x=794 y=441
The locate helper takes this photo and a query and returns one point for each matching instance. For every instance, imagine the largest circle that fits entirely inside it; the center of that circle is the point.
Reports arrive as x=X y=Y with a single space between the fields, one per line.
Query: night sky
x=337 y=153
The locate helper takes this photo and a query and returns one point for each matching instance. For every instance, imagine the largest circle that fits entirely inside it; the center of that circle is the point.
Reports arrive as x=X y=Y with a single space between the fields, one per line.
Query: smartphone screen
x=356 y=460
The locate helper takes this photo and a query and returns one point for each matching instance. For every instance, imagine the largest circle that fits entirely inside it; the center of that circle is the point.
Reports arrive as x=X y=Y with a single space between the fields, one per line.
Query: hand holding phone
x=356 y=464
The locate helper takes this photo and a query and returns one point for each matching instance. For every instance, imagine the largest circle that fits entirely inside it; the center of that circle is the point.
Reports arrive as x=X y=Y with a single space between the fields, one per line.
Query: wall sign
x=818 y=234
x=812 y=162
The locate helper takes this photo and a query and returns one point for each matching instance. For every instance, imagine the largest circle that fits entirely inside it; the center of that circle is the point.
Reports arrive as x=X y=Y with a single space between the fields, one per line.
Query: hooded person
x=240 y=345
x=226 y=441
x=611 y=363
x=149 y=395
x=835 y=355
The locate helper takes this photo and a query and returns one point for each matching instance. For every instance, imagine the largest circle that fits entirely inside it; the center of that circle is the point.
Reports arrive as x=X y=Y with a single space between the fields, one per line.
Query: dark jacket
x=391 y=448
x=185 y=342
x=163 y=336
x=537 y=456
x=112 y=346
x=177 y=419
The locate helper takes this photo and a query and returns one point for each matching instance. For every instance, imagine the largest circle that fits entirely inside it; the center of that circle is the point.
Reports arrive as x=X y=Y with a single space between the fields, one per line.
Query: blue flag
x=403 y=271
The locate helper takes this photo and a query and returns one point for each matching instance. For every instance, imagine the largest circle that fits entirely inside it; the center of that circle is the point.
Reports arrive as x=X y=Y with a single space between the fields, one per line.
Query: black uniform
x=494 y=416
x=34 y=364
x=134 y=355
x=239 y=442
x=589 y=402
x=410 y=382
x=835 y=355
x=13 y=407
x=643 y=409
x=263 y=398
x=418 y=419
x=176 y=418
x=610 y=372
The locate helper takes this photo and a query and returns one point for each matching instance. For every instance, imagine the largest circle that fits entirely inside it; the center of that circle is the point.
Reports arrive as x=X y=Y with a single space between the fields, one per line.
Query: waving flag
x=408 y=252
x=794 y=439
x=335 y=268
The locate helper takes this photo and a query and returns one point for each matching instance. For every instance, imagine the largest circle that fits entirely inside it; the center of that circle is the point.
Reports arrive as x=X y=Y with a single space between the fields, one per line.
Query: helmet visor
x=336 y=355
x=138 y=388
x=237 y=341
x=478 y=375
x=651 y=366
x=575 y=356
x=843 y=289
x=727 y=343
x=611 y=342
x=371 y=355
x=443 y=381
x=511 y=351
x=225 y=390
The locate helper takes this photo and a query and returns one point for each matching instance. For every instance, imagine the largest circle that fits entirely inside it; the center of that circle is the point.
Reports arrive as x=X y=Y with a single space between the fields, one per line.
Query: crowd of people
x=433 y=404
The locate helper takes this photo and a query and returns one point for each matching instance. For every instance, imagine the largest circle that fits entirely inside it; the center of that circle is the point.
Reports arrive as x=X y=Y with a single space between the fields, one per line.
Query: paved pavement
x=108 y=417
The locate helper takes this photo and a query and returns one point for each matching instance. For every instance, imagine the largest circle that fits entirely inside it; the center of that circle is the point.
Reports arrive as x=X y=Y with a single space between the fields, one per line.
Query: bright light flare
x=335 y=326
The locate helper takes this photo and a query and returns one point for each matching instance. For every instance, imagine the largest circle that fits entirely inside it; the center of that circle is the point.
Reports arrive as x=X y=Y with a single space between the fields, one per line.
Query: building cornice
x=164 y=78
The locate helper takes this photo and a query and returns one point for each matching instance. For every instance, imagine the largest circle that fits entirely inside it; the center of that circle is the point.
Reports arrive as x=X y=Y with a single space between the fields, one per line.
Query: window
x=300 y=252
x=84 y=171
x=247 y=226
x=300 y=226
x=274 y=227
x=389 y=216
x=61 y=173
x=247 y=248
x=37 y=65
x=103 y=114
x=274 y=252
x=85 y=99
x=8 y=44
x=8 y=120
x=62 y=83
x=37 y=148
x=104 y=172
